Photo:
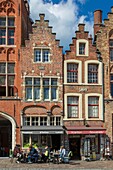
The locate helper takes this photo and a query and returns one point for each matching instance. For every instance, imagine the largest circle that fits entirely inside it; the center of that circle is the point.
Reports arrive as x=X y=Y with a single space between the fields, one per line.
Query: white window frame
x=79 y=70
x=86 y=47
x=79 y=105
x=41 y=49
x=100 y=116
x=99 y=72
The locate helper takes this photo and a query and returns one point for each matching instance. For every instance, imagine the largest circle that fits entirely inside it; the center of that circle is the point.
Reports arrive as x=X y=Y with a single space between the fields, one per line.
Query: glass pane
x=37 y=81
x=11 y=21
x=29 y=93
x=36 y=93
x=11 y=67
x=53 y=93
x=37 y=54
x=111 y=43
x=72 y=111
x=45 y=55
x=2 y=41
x=46 y=93
x=81 y=48
x=28 y=81
x=11 y=80
x=93 y=100
x=2 y=68
x=112 y=89
x=2 y=80
x=45 y=82
x=72 y=100
x=2 y=21
x=53 y=81
x=26 y=141
x=11 y=33
x=2 y=32
x=111 y=77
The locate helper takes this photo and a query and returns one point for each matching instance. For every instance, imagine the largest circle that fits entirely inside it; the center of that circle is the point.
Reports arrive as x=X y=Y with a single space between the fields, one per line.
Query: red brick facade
x=43 y=91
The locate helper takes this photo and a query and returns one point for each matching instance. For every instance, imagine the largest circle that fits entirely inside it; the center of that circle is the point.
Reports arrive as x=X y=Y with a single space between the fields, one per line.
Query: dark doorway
x=56 y=142
x=74 y=145
x=5 y=137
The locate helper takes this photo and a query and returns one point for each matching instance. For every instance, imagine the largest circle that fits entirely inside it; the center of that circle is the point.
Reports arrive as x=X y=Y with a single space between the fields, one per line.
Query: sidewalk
x=8 y=163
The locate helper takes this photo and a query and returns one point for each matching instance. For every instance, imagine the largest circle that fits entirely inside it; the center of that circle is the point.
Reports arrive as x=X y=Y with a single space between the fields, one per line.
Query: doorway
x=5 y=137
x=56 y=142
x=74 y=145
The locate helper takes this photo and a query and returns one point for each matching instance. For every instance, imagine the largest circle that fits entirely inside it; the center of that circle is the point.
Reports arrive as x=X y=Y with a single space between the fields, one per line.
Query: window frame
x=72 y=73
x=43 y=57
x=71 y=105
x=8 y=86
x=6 y=27
x=79 y=63
x=79 y=106
x=100 y=117
x=93 y=73
x=93 y=106
x=86 y=50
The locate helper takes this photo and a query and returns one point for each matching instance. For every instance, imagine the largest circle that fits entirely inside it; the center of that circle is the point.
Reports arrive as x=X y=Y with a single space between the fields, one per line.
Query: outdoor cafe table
x=56 y=157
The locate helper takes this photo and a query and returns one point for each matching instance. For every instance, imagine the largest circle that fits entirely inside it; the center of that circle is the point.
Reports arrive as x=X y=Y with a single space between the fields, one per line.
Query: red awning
x=86 y=130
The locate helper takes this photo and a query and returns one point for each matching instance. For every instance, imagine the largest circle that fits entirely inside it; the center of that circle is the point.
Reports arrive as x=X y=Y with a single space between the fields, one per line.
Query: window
x=50 y=89
x=26 y=121
x=73 y=105
x=41 y=55
x=111 y=49
x=111 y=83
x=32 y=88
x=93 y=107
x=72 y=73
x=55 y=121
x=81 y=48
x=7 y=30
x=35 y=121
x=92 y=73
x=7 y=76
x=42 y=121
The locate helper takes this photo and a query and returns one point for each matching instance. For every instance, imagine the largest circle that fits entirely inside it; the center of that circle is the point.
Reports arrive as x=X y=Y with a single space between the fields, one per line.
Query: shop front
x=42 y=136
x=86 y=143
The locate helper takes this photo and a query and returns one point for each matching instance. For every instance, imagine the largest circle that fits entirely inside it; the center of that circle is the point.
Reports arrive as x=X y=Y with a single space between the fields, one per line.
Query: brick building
x=48 y=98
x=104 y=44
x=15 y=25
x=83 y=96
x=42 y=87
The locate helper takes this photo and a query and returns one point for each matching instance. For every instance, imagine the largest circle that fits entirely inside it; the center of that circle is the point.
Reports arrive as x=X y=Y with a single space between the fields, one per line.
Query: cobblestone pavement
x=8 y=163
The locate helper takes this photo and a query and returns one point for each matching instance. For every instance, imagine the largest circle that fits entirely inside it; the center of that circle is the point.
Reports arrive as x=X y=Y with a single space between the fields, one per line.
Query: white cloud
x=63 y=17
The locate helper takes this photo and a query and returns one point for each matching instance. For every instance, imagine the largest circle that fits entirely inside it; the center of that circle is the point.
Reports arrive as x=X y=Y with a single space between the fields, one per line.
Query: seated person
x=62 y=153
x=45 y=155
x=32 y=155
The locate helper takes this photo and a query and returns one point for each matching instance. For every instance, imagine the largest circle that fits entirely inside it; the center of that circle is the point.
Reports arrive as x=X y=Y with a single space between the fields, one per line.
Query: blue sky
x=65 y=15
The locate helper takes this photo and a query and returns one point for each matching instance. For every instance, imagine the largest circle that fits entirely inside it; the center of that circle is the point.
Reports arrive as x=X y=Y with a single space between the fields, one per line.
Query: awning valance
x=85 y=130
x=42 y=130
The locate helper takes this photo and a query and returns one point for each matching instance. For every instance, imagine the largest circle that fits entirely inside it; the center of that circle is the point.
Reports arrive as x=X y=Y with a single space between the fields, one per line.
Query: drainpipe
x=100 y=60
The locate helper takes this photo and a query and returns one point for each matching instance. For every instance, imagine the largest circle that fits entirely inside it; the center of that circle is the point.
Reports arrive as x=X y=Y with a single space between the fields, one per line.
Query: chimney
x=41 y=17
x=81 y=27
x=97 y=21
x=112 y=9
